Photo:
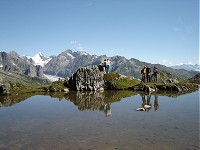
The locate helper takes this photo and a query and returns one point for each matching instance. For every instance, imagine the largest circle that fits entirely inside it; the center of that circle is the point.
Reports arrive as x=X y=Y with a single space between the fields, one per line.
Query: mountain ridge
x=64 y=66
x=189 y=67
x=67 y=62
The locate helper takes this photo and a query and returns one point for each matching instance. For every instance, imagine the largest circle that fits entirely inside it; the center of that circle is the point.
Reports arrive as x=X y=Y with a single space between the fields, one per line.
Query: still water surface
x=100 y=121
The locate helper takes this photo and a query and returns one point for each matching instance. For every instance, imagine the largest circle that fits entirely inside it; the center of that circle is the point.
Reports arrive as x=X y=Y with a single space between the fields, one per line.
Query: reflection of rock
x=87 y=79
x=94 y=100
x=173 y=87
x=88 y=100
x=140 y=109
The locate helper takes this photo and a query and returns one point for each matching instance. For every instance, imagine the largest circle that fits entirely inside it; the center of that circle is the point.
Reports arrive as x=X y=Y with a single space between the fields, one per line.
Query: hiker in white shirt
x=108 y=63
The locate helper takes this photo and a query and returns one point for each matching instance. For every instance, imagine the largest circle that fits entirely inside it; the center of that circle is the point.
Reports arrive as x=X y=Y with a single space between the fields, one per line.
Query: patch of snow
x=53 y=78
x=39 y=59
x=71 y=55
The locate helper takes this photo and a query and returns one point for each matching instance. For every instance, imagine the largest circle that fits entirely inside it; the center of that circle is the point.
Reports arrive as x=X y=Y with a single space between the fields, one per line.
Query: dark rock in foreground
x=86 y=78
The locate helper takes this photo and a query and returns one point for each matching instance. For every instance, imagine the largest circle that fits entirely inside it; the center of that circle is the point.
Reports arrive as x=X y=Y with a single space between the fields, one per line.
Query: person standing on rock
x=108 y=63
x=104 y=64
x=148 y=71
x=155 y=73
x=143 y=72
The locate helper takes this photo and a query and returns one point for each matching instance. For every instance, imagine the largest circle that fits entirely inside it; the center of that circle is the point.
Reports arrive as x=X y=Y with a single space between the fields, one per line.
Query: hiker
x=108 y=63
x=148 y=71
x=143 y=72
x=155 y=73
x=103 y=65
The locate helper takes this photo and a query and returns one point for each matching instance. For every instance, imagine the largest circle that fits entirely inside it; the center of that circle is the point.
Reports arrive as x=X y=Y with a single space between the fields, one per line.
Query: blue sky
x=155 y=31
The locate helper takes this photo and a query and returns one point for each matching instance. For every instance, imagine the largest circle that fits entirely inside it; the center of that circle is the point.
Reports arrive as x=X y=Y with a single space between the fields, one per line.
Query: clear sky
x=155 y=31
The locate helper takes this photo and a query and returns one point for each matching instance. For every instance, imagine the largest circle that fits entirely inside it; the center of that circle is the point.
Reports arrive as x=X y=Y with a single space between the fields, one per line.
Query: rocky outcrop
x=34 y=71
x=149 y=87
x=86 y=79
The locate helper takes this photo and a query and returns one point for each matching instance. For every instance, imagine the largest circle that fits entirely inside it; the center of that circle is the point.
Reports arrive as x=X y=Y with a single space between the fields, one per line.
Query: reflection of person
x=156 y=106
x=143 y=100
x=107 y=110
x=146 y=102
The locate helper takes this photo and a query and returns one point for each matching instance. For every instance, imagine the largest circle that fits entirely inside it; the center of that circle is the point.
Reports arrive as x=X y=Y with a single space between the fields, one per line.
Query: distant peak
x=82 y=52
x=40 y=53
x=39 y=59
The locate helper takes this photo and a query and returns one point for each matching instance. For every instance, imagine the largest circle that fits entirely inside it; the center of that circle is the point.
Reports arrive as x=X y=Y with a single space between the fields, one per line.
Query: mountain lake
x=100 y=121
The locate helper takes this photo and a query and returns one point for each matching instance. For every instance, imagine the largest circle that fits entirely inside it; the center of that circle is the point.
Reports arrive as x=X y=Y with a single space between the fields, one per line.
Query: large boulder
x=87 y=79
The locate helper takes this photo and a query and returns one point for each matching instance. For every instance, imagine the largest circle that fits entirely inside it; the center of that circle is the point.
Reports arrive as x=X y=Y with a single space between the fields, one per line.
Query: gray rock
x=86 y=79
x=34 y=71
x=147 y=88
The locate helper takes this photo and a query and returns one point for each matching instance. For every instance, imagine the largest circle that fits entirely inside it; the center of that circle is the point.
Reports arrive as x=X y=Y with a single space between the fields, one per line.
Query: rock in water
x=147 y=106
x=140 y=109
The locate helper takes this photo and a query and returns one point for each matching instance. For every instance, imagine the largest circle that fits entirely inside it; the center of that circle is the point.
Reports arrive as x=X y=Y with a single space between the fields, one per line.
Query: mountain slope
x=12 y=62
x=66 y=63
x=13 y=77
x=188 y=67
x=195 y=79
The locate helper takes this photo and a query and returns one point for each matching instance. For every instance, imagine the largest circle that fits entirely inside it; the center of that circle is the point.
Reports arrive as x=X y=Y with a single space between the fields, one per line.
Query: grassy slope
x=20 y=78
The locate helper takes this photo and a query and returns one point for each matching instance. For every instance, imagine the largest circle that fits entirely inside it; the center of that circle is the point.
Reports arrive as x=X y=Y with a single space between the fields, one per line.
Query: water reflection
x=6 y=101
x=55 y=122
x=100 y=101
x=97 y=100
x=146 y=101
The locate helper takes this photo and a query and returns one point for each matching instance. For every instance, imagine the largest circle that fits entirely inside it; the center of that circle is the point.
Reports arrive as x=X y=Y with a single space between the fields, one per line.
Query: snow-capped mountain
x=38 y=59
x=188 y=67
x=67 y=62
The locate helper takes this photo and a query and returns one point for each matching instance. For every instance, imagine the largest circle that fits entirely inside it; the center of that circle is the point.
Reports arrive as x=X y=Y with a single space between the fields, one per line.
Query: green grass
x=120 y=83
x=126 y=83
x=19 y=88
